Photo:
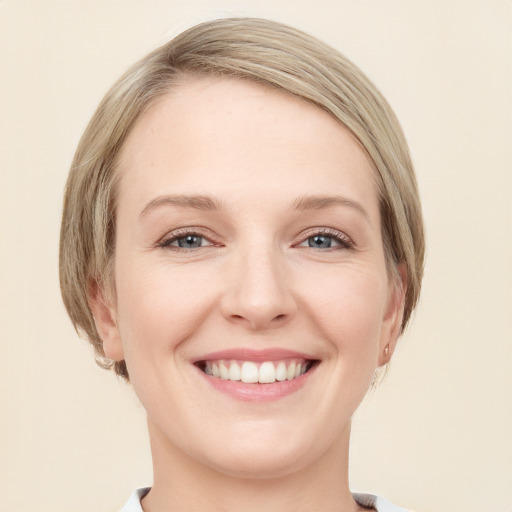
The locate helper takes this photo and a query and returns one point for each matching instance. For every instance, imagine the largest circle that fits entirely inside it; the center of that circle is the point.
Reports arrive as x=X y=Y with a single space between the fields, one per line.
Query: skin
x=254 y=283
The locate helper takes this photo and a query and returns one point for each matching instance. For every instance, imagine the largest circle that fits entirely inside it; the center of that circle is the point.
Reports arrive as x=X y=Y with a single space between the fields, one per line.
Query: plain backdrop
x=436 y=435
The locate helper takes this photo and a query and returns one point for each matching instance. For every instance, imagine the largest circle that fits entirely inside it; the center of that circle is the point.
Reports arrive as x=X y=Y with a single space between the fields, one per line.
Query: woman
x=242 y=240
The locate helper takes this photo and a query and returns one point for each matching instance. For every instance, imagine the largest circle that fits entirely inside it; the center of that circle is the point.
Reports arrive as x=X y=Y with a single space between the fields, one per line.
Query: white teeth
x=267 y=373
x=290 y=374
x=234 y=371
x=223 y=370
x=249 y=372
x=281 y=371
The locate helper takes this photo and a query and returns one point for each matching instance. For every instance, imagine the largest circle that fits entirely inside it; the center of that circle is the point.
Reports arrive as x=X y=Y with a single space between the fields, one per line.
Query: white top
x=365 y=500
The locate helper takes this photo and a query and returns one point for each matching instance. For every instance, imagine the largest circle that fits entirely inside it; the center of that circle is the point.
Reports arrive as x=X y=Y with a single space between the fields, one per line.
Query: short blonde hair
x=251 y=49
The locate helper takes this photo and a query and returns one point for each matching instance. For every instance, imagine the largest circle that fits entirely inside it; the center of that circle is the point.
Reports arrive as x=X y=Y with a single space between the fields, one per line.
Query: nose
x=259 y=295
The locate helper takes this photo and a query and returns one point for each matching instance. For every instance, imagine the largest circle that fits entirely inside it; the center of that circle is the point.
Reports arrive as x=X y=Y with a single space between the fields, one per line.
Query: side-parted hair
x=252 y=49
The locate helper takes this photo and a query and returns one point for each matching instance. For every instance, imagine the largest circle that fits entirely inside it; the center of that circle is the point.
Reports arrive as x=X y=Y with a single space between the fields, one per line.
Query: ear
x=392 y=321
x=104 y=315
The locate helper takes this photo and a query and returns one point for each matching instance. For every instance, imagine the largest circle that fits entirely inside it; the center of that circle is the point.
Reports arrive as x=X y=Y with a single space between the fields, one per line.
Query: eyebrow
x=320 y=202
x=208 y=203
x=197 y=202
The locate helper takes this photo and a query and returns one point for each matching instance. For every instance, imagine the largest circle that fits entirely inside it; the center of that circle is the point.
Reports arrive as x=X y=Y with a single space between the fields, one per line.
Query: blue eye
x=330 y=239
x=320 y=241
x=189 y=241
x=186 y=241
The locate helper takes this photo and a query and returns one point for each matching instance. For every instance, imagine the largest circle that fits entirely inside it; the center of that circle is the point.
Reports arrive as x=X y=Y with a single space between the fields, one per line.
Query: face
x=252 y=301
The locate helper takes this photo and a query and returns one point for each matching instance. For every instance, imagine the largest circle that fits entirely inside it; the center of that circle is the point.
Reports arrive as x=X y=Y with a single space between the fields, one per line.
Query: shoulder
x=133 y=504
x=376 y=502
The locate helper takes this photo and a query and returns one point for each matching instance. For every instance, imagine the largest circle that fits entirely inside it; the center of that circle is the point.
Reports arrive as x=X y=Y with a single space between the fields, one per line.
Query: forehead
x=231 y=137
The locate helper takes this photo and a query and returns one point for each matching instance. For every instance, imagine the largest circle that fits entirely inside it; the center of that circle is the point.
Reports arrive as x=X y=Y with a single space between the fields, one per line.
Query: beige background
x=436 y=436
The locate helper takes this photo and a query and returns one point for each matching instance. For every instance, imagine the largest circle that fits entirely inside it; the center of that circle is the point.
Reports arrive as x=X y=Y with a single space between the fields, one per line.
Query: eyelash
x=166 y=242
x=343 y=240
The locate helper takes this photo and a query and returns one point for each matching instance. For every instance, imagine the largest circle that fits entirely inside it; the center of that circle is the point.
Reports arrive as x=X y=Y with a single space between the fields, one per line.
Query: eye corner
x=187 y=240
x=327 y=239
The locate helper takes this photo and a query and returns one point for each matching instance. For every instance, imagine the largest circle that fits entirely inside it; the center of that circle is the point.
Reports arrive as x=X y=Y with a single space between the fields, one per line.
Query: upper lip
x=246 y=354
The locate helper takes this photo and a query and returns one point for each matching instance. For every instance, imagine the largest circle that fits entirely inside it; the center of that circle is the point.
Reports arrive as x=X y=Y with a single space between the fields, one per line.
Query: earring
x=386 y=350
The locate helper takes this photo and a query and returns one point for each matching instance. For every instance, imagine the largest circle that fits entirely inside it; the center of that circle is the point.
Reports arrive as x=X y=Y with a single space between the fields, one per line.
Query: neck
x=182 y=483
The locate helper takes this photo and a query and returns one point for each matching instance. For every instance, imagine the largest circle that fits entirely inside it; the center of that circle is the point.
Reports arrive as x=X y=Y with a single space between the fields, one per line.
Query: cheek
x=349 y=309
x=158 y=307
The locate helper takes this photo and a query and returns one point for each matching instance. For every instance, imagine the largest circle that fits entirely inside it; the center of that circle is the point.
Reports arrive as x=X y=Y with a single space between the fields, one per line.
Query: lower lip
x=258 y=392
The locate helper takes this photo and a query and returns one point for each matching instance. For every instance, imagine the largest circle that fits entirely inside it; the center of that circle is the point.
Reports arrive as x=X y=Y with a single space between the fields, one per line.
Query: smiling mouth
x=250 y=372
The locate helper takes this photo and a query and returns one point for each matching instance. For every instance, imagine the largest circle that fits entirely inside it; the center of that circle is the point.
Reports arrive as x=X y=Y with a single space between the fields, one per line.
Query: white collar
x=365 y=500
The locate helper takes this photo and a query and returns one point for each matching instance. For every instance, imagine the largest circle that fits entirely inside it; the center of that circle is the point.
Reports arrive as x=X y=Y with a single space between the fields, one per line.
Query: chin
x=271 y=464
x=265 y=455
